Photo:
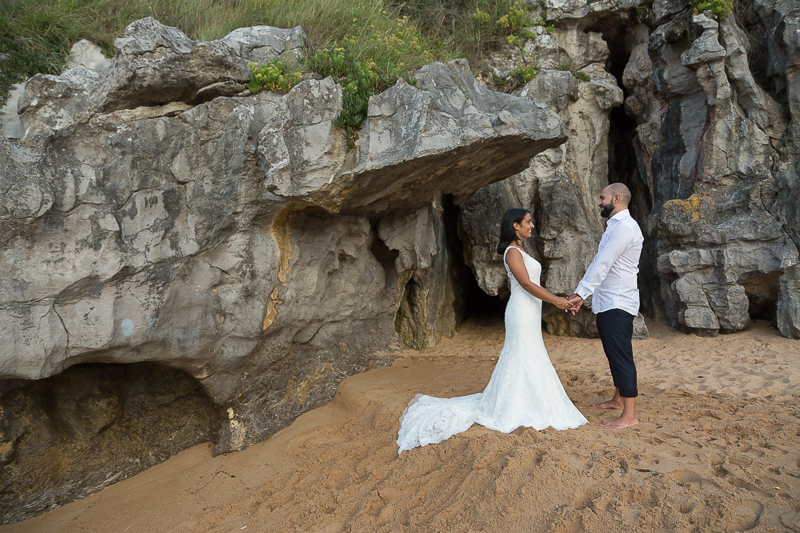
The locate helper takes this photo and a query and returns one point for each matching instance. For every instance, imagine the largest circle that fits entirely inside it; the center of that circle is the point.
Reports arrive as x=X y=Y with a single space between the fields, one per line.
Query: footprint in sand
x=568 y=524
x=744 y=515
x=688 y=477
x=742 y=484
x=740 y=460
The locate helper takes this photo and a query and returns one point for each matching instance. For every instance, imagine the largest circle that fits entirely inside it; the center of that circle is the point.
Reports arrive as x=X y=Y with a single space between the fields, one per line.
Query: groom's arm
x=616 y=244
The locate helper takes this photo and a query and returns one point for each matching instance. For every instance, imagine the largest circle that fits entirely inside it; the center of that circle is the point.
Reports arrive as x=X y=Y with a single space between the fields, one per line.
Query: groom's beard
x=606 y=210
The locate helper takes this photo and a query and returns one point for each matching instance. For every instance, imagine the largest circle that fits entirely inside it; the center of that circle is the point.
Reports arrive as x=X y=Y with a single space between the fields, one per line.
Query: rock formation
x=707 y=144
x=561 y=185
x=154 y=212
x=74 y=433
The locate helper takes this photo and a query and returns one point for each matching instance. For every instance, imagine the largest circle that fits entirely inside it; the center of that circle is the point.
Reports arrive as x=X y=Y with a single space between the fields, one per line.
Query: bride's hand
x=563 y=303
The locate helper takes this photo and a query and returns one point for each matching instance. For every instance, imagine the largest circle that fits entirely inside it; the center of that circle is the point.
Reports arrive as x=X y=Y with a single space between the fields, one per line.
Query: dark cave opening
x=762 y=296
x=471 y=301
x=623 y=165
x=623 y=159
x=384 y=255
x=129 y=416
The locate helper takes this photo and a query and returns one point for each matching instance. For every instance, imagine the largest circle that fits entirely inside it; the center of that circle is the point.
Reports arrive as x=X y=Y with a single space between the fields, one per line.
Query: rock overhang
x=447 y=135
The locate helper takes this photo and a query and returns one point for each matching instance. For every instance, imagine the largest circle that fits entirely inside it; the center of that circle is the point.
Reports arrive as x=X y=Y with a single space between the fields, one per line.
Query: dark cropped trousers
x=615 y=327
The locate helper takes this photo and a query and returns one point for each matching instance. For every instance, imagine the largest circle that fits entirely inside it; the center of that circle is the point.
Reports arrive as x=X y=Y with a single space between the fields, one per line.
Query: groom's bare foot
x=610 y=404
x=621 y=423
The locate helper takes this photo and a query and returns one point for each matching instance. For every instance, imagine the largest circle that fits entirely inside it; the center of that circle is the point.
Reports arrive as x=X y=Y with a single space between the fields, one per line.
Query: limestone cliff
x=705 y=138
x=155 y=212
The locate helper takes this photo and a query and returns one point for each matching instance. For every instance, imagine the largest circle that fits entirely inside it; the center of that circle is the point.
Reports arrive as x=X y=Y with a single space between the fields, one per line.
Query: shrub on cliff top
x=720 y=8
x=277 y=75
x=359 y=81
x=365 y=64
x=469 y=27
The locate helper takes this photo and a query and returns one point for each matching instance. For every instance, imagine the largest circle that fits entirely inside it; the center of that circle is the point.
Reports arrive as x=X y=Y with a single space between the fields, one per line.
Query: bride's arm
x=517 y=266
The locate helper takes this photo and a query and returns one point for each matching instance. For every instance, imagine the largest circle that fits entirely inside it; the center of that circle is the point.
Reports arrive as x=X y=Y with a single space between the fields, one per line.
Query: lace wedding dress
x=524 y=389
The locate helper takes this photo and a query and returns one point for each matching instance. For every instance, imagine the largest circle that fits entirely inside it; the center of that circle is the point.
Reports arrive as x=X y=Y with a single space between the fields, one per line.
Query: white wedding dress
x=524 y=389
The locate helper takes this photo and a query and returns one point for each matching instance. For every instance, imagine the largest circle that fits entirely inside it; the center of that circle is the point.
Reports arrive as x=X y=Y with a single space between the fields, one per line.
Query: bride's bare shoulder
x=519 y=252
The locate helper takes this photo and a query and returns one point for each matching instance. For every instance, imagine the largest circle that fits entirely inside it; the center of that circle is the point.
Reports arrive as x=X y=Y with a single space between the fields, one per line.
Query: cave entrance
x=471 y=301
x=623 y=163
x=623 y=159
x=130 y=416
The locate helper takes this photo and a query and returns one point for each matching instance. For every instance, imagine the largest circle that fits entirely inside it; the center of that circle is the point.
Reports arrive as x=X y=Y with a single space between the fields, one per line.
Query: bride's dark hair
x=507 y=232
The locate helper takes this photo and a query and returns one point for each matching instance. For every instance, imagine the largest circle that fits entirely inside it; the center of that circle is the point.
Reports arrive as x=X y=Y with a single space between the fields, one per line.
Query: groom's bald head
x=621 y=190
x=613 y=199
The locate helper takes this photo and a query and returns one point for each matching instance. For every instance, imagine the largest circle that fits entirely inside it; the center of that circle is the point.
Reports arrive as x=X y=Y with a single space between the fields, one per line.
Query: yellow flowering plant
x=277 y=76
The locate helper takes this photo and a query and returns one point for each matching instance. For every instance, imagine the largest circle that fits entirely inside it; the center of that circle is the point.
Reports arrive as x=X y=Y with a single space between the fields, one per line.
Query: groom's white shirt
x=611 y=278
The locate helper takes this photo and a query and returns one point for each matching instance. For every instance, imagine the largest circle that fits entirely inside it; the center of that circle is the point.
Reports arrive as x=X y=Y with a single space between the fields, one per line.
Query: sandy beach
x=717 y=450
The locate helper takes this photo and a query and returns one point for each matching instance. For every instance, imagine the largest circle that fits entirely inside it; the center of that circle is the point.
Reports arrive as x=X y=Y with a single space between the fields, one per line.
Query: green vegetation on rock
x=526 y=72
x=36 y=35
x=720 y=8
x=277 y=75
x=359 y=81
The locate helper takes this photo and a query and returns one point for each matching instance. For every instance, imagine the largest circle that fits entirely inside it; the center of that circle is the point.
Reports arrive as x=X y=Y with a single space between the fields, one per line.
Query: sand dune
x=718 y=450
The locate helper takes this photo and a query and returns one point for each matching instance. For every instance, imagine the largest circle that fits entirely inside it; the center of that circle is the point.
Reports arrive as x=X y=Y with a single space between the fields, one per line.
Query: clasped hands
x=570 y=304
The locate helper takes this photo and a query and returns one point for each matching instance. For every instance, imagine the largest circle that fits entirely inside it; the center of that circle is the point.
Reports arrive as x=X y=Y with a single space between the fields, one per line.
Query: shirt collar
x=625 y=213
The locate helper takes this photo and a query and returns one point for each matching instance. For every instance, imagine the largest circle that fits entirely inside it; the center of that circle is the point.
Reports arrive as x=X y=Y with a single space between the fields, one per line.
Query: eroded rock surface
x=416 y=143
x=788 y=317
x=155 y=65
x=63 y=432
x=153 y=211
x=716 y=216
x=150 y=213
x=561 y=185
x=707 y=144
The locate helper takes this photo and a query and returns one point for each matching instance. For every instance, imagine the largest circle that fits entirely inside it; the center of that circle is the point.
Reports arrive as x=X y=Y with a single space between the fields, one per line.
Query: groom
x=612 y=279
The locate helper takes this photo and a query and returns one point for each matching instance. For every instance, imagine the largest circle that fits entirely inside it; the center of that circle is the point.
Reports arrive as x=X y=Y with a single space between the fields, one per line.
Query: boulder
x=56 y=102
x=157 y=64
x=86 y=54
x=789 y=303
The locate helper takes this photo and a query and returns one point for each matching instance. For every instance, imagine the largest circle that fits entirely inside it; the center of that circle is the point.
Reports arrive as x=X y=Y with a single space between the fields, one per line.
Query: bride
x=524 y=389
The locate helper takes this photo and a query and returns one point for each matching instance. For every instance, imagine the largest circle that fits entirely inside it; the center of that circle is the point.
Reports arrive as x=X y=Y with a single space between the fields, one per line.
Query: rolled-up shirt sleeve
x=619 y=240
